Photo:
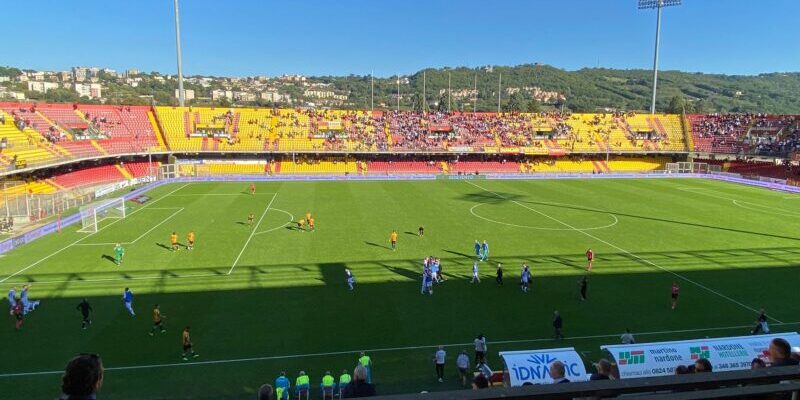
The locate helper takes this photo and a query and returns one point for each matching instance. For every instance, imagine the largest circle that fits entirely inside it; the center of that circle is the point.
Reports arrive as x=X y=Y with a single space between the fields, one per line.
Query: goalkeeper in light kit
x=119 y=252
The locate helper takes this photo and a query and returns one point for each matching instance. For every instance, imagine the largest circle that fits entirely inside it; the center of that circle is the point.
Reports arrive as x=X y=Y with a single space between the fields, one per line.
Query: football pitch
x=267 y=298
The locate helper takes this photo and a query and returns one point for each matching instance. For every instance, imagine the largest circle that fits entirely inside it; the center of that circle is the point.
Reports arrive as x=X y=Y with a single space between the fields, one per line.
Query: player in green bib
x=118 y=253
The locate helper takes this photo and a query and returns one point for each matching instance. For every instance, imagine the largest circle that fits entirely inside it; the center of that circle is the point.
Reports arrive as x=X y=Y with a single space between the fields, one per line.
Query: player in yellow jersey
x=158 y=320
x=190 y=240
x=308 y=215
x=250 y=218
x=393 y=239
x=301 y=224
x=186 y=340
x=311 y=224
x=173 y=238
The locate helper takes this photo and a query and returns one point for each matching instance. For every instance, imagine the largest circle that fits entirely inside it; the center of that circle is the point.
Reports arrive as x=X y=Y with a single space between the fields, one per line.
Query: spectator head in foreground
x=82 y=377
x=757 y=363
x=265 y=392
x=603 y=370
x=480 y=382
x=702 y=365
x=780 y=353
x=557 y=372
x=681 y=370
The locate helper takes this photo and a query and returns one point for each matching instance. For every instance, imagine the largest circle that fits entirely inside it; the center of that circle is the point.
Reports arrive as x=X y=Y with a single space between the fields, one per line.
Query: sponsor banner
x=533 y=366
x=509 y=150
x=460 y=177
x=440 y=127
x=725 y=354
x=556 y=152
x=534 y=150
x=460 y=149
x=331 y=125
x=110 y=188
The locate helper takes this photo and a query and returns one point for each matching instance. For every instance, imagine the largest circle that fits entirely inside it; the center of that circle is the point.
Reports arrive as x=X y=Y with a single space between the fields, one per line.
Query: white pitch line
x=622 y=250
x=87 y=236
x=222 y=194
x=156 y=226
x=252 y=233
x=378 y=350
x=142 y=235
x=291 y=219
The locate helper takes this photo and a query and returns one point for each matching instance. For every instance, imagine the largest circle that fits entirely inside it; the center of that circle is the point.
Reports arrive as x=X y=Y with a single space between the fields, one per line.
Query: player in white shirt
x=475 y=277
x=350 y=279
x=438 y=359
x=27 y=304
x=12 y=297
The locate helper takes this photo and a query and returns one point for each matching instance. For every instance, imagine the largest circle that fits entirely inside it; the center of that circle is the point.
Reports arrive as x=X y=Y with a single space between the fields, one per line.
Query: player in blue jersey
x=351 y=280
x=485 y=251
x=478 y=249
x=127 y=298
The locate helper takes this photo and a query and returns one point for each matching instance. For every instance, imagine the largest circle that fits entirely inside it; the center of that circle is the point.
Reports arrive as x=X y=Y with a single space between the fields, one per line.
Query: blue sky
x=339 y=37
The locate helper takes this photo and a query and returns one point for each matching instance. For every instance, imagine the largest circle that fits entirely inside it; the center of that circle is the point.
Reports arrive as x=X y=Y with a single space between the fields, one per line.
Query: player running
x=351 y=280
x=187 y=345
x=190 y=240
x=250 y=218
x=252 y=189
x=158 y=321
x=589 y=259
x=675 y=290
x=173 y=238
x=85 y=308
x=119 y=252
x=393 y=239
x=127 y=298
x=475 y=277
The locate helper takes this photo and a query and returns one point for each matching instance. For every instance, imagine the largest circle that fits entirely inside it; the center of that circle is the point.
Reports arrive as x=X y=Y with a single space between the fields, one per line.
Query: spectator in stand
x=757 y=363
x=480 y=349
x=462 y=363
x=780 y=353
x=265 y=392
x=702 y=365
x=603 y=371
x=438 y=359
x=359 y=387
x=627 y=337
x=558 y=323
x=558 y=372
x=83 y=377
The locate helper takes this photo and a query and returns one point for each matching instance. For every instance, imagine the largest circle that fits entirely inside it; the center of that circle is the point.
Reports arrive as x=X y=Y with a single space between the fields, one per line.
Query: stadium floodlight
x=658 y=5
x=181 y=94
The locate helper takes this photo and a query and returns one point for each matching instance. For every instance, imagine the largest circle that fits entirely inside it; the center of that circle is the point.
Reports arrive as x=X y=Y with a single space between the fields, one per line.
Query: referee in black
x=583 y=283
x=85 y=309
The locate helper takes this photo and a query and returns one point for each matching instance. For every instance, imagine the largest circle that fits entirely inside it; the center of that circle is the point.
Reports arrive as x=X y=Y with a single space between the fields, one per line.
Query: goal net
x=93 y=213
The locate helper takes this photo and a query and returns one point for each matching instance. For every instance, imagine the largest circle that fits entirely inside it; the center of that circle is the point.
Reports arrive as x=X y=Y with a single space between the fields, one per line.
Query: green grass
x=286 y=302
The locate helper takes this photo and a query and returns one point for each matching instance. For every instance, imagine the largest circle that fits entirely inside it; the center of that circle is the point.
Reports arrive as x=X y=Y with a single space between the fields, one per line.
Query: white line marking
x=744 y=204
x=291 y=219
x=222 y=194
x=472 y=211
x=380 y=350
x=252 y=233
x=87 y=236
x=156 y=226
x=622 y=250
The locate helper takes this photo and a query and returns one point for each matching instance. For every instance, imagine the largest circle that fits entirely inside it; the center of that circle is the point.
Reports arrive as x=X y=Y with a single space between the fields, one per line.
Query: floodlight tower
x=181 y=95
x=658 y=5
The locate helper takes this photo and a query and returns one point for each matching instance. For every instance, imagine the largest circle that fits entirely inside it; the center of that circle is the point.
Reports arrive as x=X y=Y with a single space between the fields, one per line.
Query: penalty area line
x=380 y=350
x=252 y=233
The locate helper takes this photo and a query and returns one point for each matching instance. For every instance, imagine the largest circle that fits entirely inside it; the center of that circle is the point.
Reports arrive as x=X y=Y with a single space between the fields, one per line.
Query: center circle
x=291 y=219
x=614 y=219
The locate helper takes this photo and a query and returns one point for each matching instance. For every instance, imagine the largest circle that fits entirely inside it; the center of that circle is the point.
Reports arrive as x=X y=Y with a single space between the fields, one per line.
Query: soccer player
x=18 y=311
x=499 y=277
x=85 y=308
x=119 y=252
x=187 y=345
x=393 y=239
x=583 y=284
x=328 y=385
x=589 y=259
x=421 y=231
x=308 y=215
x=435 y=271
x=478 y=250
x=675 y=290
x=485 y=251
x=558 y=323
x=173 y=238
x=350 y=279
x=301 y=225
x=525 y=278
x=190 y=240
x=27 y=304
x=282 y=385
x=427 y=281
x=127 y=298
x=250 y=218
x=438 y=359
x=311 y=224
x=475 y=277
x=252 y=188
x=12 y=297
x=158 y=320
x=761 y=323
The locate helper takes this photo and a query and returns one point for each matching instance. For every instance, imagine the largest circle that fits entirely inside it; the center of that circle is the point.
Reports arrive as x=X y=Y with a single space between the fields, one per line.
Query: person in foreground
x=558 y=372
x=359 y=387
x=82 y=377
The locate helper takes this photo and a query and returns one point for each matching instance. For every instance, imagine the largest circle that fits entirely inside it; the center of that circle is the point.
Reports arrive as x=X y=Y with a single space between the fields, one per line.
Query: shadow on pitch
x=377 y=245
x=163 y=246
x=108 y=258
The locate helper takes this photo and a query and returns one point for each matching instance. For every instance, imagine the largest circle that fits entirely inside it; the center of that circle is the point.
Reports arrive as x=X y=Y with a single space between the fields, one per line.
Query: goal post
x=93 y=213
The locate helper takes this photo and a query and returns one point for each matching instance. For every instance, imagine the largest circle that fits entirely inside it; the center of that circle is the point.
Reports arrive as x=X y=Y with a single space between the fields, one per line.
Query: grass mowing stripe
x=89 y=235
x=252 y=232
x=621 y=249
x=384 y=349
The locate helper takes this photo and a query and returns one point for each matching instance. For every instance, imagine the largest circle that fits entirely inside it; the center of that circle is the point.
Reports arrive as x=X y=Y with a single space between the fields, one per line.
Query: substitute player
x=187 y=345
x=119 y=252
x=393 y=239
x=158 y=321
x=190 y=240
x=589 y=259
x=675 y=290
x=173 y=238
